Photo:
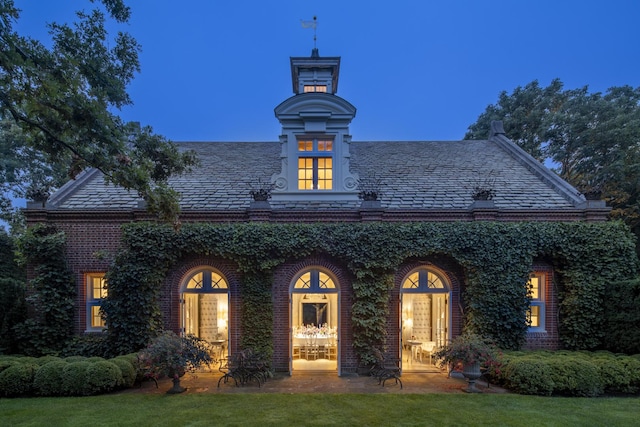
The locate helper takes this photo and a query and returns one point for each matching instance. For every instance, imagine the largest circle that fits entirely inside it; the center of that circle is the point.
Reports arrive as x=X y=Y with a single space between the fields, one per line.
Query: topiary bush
x=17 y=380
x=101 y=377
x=127 y=369
x=528 y=375
x=74 y=379
x=632 y=365
x=48 y=381
x=41 y=361
x=7 y=362
x=72 y=359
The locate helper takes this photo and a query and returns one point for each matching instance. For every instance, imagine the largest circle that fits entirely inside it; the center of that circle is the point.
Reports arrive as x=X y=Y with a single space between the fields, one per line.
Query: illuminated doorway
x=425 y=319
x=314 y=322
x=205 y=309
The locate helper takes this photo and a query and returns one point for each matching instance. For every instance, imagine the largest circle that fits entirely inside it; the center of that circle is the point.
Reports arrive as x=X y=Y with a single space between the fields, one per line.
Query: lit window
x=315 y=170
x=96 y=292
x=314 y=280
x=423 y=280
x=535 y=314
x=315 y=88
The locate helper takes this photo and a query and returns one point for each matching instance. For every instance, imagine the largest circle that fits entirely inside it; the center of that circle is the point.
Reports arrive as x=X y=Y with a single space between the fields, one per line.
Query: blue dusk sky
x=415 y=70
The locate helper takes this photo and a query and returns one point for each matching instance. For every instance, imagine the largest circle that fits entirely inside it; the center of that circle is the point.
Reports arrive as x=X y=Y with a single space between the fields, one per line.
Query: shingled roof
x=414 y=175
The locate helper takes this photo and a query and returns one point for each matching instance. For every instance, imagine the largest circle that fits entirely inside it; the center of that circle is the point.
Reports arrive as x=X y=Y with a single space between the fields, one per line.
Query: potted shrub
x=471 y=352
x=170 y=355
x=369 y=191
x=262 y=192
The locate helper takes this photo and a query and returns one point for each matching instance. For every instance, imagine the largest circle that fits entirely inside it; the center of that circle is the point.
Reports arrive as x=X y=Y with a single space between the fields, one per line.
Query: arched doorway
x=425 y=296
x=314 y=322
x=205 y=308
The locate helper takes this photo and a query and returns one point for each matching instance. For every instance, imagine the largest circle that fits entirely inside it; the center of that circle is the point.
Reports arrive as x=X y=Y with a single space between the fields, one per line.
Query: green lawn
x=319 y=409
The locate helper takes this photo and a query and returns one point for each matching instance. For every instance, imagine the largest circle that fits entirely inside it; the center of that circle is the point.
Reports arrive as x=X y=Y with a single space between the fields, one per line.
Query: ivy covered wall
x=496 y=258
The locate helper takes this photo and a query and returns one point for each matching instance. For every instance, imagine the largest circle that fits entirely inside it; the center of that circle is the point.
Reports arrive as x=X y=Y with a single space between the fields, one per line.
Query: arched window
x=423 y=280
x=314 y=281
x=314 y=321
x=206 y=281
x=205 y=307
x=425 y=316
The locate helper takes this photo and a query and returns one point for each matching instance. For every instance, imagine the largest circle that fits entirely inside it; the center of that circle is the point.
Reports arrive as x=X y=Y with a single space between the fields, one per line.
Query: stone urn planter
x=472 y=372
x=177 y=388
x=470 y=351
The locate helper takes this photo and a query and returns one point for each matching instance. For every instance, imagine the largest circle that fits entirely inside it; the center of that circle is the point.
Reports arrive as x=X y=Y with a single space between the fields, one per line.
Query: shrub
x=89 y=345
x=102 y=376
x=127 y=369
x=5 y=363
x=171 y=355
x=72 y=359
x=17 y=380
x=632 y=365
x=622 y=315
x=575 y=376
x=74 y=379
x=41 y=361
x=528 y=375
x=468 y=349
x=47 y=380
x=95 y=359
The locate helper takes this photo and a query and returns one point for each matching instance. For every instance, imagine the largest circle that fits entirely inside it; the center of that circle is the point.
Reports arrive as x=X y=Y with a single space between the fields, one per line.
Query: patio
x=319 y=382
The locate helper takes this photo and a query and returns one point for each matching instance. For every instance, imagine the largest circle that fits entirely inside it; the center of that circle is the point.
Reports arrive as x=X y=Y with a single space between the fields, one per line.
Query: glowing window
x=315 y=88
x=314 y=281
x=96 y=292
x=206 y=281
x=423 y=281
x=535 y=314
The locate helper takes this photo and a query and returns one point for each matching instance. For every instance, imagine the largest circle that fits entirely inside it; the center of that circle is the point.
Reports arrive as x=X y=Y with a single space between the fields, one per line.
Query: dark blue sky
x=415 y=70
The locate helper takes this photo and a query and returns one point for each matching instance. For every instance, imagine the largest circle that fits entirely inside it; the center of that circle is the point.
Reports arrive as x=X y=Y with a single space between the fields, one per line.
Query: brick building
x=316 y=173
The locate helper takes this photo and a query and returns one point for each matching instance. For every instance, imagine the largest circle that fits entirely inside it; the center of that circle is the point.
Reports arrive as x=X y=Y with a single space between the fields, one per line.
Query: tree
x=62 y=101
x=523 y=114
x=13 y=307
x=592 y=139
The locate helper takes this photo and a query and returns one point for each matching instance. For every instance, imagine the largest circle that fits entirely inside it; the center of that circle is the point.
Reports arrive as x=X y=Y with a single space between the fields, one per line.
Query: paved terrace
x=315 y=382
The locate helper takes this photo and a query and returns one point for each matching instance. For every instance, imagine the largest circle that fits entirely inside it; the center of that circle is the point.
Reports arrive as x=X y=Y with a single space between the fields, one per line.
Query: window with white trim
x=96 y=292
x=315 y=164
x=536 y=312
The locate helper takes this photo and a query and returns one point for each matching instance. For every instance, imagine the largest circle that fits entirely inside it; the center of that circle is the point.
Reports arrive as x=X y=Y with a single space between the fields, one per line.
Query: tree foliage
x=63 y=99
x=12 y=294
x=592 y=139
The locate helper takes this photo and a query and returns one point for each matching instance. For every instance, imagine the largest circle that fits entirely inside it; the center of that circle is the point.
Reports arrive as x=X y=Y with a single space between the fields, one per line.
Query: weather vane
x=311 y=24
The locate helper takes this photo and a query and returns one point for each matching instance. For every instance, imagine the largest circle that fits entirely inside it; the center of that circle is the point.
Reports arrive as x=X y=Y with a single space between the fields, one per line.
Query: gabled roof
x=414 y=175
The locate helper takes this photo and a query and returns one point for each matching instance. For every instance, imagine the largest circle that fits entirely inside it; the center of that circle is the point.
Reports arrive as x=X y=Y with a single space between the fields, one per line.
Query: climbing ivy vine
x=51 y=293
x=496 y=258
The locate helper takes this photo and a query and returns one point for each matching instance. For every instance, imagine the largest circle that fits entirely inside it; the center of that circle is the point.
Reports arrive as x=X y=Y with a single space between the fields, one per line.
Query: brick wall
x=92 y=243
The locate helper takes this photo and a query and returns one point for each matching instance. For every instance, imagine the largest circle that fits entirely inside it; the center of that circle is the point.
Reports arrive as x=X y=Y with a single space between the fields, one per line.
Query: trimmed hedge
x=48 y=379
x=566 y=373
x=102 y=376
x=74 y=376
x=17 y=380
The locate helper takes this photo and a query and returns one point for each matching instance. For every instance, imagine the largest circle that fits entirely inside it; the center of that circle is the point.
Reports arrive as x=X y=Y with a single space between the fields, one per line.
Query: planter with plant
x=470 y=353
x=172 y=356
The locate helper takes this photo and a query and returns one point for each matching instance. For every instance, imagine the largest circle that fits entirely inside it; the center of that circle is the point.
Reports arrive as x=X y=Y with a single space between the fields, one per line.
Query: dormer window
x=315 y=164
x=315 y=88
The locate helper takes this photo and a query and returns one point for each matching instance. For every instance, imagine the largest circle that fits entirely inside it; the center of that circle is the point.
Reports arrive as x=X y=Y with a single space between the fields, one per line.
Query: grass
x=319 y=409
